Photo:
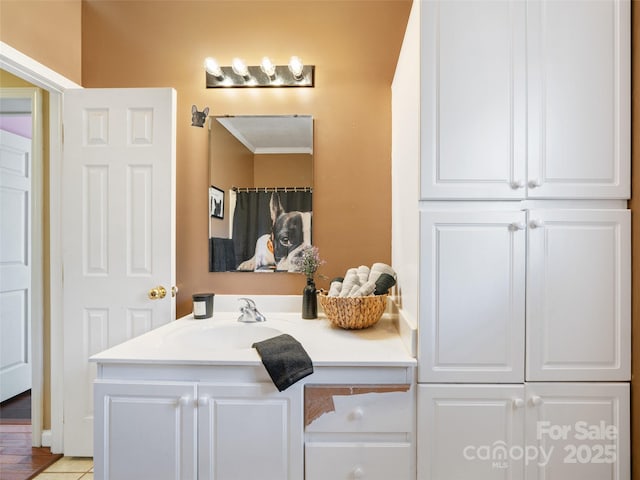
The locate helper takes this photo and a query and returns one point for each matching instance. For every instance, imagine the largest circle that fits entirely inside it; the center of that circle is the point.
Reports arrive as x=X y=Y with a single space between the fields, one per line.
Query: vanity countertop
x=222 y=340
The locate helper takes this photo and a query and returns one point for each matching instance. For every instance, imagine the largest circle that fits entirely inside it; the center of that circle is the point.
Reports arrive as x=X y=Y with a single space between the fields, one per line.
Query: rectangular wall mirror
x=260 y=194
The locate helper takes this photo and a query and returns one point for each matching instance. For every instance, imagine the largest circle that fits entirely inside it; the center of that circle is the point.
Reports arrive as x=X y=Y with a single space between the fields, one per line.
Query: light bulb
x=212 y=67
x=239 y=67
x=296 y=66
x=267 y=67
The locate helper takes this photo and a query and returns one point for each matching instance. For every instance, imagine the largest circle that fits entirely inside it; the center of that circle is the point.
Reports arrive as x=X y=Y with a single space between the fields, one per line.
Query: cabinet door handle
x=357 y=414
x=534 y=183
x=535 y=400
x=515 y=226
x=184 y=400
x=536 y=224
x=518 y=403
x=516 y=184
x=203 y=401
x=357 y=472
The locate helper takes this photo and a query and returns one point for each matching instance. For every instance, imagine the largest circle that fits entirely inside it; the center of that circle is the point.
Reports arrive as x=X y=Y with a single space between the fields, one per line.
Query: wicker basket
x=353 y=312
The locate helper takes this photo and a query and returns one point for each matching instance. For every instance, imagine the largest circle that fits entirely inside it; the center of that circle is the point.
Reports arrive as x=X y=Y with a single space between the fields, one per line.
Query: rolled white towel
x=363 y=274
x=335 y=288
x=378 y=269
x=366 y=289
x=351 y=272
x=347 y=286
x=354 y=291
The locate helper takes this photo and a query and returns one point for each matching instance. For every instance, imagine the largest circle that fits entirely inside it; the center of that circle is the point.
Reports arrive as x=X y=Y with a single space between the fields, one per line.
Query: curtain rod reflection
x=272 y=189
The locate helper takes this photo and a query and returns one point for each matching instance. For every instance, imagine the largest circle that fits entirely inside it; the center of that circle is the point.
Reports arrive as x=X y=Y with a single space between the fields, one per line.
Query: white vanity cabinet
x=249 y=431
x=575 y=264
x=359 y=432
x=145 y=430
x=169 y=407
x=535 y=431
x=197 y=430
x=524 y=99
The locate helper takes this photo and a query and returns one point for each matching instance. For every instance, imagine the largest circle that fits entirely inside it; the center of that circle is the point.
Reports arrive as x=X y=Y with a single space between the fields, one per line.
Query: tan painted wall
x=48 y=31
x=354 y=45
x=231 y=165
x=283 y=170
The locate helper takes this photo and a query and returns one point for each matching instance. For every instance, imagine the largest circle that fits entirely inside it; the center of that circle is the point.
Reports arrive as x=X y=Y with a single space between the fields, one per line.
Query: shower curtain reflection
x=270 y=227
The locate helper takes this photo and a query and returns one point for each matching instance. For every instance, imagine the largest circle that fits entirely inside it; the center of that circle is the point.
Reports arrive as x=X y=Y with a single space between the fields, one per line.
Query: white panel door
x=582 y=427
x=15 y=264
x=579 y=295
x=473 y=99
x=249 y=431
x=465 y=432
x=579 y=98
x=146 y=430
x=472 y=296
x=118 y=232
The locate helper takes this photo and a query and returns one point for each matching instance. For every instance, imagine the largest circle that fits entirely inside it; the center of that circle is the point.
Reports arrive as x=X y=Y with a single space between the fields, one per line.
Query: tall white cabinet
x=511 y=238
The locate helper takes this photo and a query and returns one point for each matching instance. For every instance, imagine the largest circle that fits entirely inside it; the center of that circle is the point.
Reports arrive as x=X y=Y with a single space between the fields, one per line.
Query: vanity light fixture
x=268 y=68
x=212 y=67
x=240 y=68
x=267 y=74
x=296 y=67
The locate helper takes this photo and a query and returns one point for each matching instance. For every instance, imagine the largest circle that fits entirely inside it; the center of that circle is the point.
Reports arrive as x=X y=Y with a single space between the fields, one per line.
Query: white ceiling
x=272 y=134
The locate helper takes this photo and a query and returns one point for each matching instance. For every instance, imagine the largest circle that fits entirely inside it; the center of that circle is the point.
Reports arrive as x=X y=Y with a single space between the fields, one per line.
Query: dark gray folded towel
x=222 y=257
x=285 y=359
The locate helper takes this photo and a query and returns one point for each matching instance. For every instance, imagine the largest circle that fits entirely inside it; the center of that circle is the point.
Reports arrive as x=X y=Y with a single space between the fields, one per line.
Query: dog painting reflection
x=290 y=234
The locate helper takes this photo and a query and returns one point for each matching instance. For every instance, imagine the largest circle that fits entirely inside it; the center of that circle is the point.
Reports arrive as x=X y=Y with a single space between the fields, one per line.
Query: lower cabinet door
x=465 y=432
x=578 y=430
x=144 y=430
x=534 y=431
x=357 y=460
x=249 y=432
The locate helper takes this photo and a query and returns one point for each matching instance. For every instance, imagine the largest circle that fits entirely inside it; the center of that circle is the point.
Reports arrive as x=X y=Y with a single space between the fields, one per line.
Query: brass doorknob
x=157 y=293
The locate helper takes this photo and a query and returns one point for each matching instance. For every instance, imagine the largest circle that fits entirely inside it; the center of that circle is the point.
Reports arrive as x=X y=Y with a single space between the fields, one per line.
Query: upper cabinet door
x=525 y=99
x=473 y=101
x=579 y=295
x=578 y=98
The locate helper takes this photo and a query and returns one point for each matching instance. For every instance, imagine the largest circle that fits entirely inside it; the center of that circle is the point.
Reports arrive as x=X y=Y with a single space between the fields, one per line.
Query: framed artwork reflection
x=216 y=202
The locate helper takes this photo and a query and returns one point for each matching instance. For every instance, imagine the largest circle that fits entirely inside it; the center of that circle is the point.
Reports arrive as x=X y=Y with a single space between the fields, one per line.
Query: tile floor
x=68 y=468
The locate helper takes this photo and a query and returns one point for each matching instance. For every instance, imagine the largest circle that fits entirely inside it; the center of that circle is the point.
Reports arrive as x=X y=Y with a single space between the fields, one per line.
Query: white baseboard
x=46 y=438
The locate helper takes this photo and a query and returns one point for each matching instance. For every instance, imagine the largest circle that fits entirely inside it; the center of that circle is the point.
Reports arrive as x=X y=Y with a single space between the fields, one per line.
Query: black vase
x=309 y=300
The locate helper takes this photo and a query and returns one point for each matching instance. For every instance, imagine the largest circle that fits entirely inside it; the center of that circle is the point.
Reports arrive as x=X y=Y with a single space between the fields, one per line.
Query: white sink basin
x=234 y=336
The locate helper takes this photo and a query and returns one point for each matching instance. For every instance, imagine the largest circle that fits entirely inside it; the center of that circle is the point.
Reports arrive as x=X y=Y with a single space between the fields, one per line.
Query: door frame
x=36 y=338
x=25 y=67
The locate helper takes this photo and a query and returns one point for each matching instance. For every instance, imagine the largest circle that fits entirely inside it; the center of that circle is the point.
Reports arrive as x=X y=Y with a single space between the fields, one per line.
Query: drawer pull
x=357 y=472
x=535 y=400
x=357 y=414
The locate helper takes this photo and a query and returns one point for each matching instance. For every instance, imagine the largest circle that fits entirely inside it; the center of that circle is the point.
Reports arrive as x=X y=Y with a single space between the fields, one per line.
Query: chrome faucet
x=249 y=312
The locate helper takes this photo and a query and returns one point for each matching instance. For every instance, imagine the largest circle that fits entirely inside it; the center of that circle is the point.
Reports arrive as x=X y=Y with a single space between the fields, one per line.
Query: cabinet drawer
x=366 y=461
x=360 y=408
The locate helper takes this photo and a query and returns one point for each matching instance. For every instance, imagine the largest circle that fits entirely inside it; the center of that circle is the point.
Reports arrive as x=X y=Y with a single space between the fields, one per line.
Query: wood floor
x=18 y=460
